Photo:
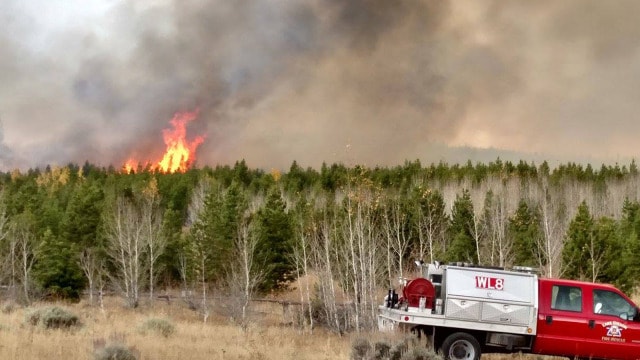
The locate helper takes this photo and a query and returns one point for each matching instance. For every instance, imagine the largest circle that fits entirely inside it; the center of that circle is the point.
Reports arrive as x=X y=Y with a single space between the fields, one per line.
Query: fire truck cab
x=465 y=310
x=586 y=320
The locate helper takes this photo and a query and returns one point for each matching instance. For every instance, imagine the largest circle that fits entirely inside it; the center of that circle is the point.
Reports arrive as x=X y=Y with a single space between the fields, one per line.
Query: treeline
x=354 y=230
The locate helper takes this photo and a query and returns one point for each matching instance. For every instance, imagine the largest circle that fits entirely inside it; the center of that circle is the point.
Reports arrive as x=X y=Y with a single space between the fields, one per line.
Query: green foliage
x=625 y=269
x=82 y=216
x=275 y=242
x=58 y=211
x=525 y=231
x=608 y=253
x=580 y=240
x=463 y=245
x=57 y=271
x=52 y=317
x=216 y=229
x=162 y=327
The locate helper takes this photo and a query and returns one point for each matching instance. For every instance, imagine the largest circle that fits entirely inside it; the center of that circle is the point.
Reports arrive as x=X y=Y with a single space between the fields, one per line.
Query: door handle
x=592 y=324
x=549 y=319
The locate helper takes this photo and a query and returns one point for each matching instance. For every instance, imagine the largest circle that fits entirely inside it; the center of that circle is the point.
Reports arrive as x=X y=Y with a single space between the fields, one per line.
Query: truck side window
x=568 y=298
x=610 y=303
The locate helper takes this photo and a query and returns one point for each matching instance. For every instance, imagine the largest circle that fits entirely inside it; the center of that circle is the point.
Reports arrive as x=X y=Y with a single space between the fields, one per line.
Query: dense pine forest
x=354 y=230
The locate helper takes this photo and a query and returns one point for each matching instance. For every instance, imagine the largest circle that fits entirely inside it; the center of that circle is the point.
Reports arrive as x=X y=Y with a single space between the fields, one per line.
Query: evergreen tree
x=56 y=270
x=172 y=222
x=463 y=246
x=82 y=216
x=575 y=254
x=606 y=253
x=626 y=267
x=217 y=228
x=202 y=249
x=275 y=233
x=525 y=232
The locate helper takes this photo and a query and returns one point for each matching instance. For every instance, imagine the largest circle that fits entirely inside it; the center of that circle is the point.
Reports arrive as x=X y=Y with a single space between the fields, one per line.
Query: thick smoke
x=362 y=81
x=6 y=155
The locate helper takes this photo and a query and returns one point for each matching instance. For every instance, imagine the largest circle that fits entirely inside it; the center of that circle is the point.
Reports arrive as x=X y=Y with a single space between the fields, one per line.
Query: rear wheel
x=461 y=346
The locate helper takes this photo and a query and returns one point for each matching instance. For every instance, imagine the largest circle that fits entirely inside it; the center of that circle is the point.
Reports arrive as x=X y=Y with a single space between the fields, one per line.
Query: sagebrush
x=53 y=317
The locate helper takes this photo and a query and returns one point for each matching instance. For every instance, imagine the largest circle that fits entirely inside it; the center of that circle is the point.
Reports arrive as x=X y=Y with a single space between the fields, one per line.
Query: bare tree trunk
x=152 y=232
x=353 y=258
x=327 y=245
x=8 y=259
x=323 y=256
x=205 y=310
x=596 y=257
x=13 y=244
x=23 y=244
x=397 y=238
x=127 y=247
x=553 y=229
x=301 y=259
x=90 y=266
x=247 y=245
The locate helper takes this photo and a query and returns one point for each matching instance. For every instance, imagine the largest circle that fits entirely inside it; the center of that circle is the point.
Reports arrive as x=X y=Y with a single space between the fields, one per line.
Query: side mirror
x=624 y=316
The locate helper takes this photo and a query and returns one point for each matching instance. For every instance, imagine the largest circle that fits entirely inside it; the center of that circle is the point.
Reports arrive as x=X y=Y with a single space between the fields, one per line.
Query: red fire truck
x=465 y=310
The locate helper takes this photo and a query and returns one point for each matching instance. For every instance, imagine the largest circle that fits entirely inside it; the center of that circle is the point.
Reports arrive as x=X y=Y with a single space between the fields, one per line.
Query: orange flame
x=180 y=153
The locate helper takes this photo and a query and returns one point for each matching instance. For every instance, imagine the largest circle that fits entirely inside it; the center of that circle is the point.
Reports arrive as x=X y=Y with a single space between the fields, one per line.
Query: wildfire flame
x=180 y=153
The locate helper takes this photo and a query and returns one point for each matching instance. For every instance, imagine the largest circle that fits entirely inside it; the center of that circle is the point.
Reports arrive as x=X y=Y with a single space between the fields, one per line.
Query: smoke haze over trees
x=373 y=82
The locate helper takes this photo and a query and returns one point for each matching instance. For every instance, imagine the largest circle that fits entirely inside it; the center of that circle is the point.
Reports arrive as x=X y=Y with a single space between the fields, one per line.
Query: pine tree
x=56 y=270
x=625 y=270
x=203 y=240
x=575 y=254
x=275 y=242
x=463 y=246
x=525 y=232
x=606 y=251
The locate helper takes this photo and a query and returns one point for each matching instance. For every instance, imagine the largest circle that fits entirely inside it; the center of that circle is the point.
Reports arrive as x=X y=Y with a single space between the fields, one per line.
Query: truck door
x=561 y=320
x=613 y=333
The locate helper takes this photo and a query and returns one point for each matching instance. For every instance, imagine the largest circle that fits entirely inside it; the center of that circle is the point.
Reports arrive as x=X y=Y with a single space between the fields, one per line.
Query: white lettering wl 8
x=485 y=282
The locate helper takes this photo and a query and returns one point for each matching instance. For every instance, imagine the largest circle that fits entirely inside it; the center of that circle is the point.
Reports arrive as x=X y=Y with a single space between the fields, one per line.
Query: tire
x=461 y=346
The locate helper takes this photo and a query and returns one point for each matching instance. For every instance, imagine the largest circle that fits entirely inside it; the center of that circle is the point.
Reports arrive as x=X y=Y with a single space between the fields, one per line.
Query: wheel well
x=441 y=333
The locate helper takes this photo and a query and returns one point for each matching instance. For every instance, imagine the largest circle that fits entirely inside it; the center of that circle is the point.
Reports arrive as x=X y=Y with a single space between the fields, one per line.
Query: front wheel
x=461 y=346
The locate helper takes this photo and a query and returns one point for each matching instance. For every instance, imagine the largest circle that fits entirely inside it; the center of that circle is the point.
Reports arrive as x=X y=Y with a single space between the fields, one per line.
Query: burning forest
x=180 y=152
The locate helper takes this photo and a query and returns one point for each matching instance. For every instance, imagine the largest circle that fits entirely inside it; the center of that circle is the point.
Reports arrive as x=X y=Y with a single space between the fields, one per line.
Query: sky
x=371 y=82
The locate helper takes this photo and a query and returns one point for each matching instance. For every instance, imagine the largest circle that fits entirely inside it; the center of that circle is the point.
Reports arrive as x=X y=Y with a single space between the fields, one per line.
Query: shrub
x=8 y=308
x=421 y=353
x=115 y=351
x=53 y=318
x=335 y=318
x=381 y=350
x=406 y=349
x=157 y=326
x=360 y=349
x=398 y=350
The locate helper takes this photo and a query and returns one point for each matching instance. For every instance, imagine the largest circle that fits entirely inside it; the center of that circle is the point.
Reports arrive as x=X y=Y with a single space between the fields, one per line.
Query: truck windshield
x=611 y=303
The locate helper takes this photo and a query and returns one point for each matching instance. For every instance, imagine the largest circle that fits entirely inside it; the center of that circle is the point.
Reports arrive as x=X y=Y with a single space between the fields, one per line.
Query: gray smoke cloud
x=361 y=81
x=5 y=153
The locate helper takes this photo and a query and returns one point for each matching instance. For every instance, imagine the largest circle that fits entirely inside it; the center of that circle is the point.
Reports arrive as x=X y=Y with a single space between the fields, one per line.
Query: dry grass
x=192 y=339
